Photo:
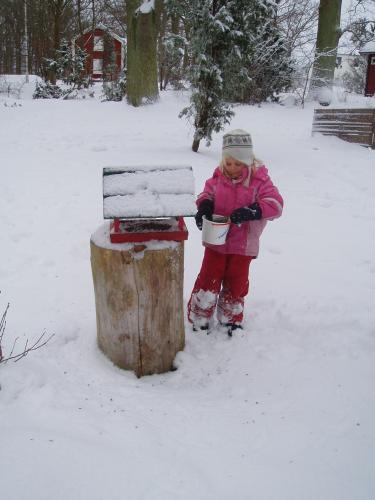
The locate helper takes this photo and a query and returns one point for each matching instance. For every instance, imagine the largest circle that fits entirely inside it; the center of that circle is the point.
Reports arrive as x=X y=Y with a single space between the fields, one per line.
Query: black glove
x=253 y=212
x=205 y=208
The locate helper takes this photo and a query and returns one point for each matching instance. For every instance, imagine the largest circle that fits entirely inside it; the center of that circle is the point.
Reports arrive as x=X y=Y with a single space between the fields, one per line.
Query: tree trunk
x=142 y=77
x=195 y=145
x=79 y=17
x=56 y=37
x=139 y=305
x=186 y=58
x=161 y=25
x=326 y=46
x=93 y=20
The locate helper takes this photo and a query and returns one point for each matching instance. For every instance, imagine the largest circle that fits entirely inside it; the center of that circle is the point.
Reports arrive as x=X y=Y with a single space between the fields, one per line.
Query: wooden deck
x=351 y=124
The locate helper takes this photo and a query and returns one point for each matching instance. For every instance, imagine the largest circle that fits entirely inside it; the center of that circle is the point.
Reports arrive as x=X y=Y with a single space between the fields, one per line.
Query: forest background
x=283 y=28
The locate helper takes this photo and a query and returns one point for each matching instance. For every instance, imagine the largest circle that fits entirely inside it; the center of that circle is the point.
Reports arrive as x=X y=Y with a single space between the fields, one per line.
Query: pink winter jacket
x=228 y=195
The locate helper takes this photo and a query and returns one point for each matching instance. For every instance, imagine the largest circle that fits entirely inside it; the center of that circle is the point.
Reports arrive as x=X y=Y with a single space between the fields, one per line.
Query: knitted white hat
x=238 y=145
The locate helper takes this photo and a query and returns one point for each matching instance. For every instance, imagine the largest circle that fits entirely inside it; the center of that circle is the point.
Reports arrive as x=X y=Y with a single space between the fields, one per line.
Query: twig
x=26 y=349
x=3 y=323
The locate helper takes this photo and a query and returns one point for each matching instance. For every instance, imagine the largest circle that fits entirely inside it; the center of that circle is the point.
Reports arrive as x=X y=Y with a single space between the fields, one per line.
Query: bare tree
x=297 y=21
x=11 y=35
x=114 y=15
x=58 y=9
x=81 y=7
x=360 y=23
x=48 y=22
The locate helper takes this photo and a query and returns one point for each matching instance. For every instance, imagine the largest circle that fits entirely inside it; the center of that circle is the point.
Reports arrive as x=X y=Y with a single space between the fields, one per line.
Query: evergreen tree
x=237 y=55
x=171 y=51
x=210 y=36
x=47 y=90
x=69 y=66
x=259 y=65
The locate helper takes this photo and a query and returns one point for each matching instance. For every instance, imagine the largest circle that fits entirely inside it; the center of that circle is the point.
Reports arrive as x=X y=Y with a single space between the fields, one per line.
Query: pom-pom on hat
x=238 y=145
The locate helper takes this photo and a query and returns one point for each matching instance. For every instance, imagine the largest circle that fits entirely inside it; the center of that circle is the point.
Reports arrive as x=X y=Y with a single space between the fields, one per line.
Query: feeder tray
x=148 y=202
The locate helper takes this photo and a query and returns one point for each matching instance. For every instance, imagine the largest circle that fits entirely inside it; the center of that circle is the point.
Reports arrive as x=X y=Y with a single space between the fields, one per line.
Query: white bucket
x=215 y=232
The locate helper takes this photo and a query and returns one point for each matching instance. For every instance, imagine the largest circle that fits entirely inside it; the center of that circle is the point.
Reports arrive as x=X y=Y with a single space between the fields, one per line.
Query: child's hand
x=253 y=212
x=205 y=208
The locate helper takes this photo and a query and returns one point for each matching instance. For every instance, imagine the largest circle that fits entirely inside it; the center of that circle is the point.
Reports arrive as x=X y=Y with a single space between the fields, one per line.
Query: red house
x=368 y=51
x=105 y=51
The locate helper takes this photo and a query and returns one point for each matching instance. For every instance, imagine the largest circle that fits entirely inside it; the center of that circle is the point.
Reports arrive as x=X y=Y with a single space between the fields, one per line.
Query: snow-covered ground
x=282 y=411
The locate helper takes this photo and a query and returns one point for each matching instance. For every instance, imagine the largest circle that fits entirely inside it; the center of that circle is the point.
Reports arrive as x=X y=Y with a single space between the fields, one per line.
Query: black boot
x=200 y=328
x=231 y=327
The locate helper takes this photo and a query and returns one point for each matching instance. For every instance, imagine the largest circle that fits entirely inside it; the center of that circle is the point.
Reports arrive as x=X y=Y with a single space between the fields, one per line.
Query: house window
x=97 y=65
x=372 y=62
x=98 y=43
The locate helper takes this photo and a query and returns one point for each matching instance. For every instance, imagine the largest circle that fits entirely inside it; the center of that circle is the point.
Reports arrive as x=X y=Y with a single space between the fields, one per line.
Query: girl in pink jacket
x=241 y=189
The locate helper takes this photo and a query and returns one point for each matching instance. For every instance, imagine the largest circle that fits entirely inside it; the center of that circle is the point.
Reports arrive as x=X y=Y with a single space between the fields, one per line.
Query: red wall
x=370 y=80
x=86 y=42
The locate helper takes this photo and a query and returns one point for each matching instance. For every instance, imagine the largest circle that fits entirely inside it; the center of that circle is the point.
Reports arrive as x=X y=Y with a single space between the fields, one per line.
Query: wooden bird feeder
x=138 y=270
x=148 y=203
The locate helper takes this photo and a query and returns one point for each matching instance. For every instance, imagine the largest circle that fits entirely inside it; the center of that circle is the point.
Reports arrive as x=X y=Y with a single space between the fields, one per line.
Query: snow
x=282 y=411
x=146 y=6
x=148 y=204
x=149 y=192
x=101 y=238
x=14 y=85
x=368 y=47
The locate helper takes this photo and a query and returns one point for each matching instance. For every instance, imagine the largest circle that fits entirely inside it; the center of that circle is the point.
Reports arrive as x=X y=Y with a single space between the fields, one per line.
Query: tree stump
x=139 y=303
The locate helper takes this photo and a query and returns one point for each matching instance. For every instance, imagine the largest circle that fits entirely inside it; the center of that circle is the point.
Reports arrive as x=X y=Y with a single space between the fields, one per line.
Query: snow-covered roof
x=148 y=191
x=368 y=48
x=103 y=27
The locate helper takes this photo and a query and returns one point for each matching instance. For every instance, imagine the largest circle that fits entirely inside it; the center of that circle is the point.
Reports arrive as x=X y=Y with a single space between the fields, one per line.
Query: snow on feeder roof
x=148 y=191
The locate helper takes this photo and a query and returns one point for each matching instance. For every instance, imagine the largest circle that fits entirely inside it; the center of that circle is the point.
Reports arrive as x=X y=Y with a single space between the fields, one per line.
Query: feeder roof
x=148 y=191
x=368 y=48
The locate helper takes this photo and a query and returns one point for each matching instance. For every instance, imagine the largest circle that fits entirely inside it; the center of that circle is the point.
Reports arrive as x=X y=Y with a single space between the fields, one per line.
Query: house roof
x=368 y=48
x=104 y=28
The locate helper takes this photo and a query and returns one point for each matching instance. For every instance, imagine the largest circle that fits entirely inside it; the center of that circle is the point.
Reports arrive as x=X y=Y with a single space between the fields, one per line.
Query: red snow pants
x=223 y=281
